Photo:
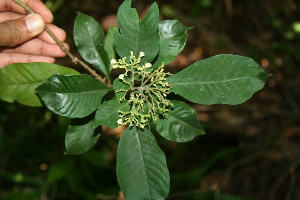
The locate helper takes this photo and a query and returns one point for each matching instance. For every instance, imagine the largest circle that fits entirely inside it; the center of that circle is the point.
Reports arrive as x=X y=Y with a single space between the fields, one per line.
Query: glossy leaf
x=137 y=35
x=73 y=96
x=80 y=136
x=89 y=39
x=18 y=81
x=141 y=166
x=181 y=124
x=109 y=44
x=108 y=113
x=173 y=37
x=119 y=85
x=221 y=79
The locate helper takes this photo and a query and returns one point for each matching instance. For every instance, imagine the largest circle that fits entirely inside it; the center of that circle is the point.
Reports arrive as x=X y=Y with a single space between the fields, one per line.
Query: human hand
x=22 y=37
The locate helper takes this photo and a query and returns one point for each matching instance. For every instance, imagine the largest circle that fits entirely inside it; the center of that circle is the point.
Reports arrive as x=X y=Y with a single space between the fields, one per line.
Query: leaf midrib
x=213 y=82
x=94 y=46
x=71 y=93
x=183 y=122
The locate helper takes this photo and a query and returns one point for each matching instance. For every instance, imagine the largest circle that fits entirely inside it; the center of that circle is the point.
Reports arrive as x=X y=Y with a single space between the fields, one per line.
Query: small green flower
x=119 y=122
x=121 y=76
x=113 y=61
x=146 y=93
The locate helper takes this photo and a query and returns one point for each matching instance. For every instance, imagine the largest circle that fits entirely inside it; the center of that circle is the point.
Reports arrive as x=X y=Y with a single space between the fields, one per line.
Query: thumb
x=18 y=31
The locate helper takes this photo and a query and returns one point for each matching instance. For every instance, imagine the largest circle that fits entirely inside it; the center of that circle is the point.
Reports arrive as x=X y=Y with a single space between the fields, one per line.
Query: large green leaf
x=181 y=124
x=18 y=81
x=137 y=35
x=141 y=166
x=173 y=37
x=80 y=136
x=109 y=44
x=73 y=96
x=89 y=39
x=108 y=113
x=221 y=79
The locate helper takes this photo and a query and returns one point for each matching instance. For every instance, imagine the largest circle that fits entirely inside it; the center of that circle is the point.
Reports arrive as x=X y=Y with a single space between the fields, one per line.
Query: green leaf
x=80 y=136
x=141 y=166
x=119 y=85
x=221 y=79
x=18 y=81
x=73 y=96
x=173 y=37
x=137 y=35
x=109 y=44
x=89 y=39
x=107 y=114
x=181 y=124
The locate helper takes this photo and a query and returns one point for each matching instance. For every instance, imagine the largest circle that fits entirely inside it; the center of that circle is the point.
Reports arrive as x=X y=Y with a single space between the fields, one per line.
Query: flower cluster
x=147 y=89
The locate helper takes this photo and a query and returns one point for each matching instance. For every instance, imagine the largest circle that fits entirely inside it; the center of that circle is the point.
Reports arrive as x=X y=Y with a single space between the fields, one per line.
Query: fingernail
x=35 y=23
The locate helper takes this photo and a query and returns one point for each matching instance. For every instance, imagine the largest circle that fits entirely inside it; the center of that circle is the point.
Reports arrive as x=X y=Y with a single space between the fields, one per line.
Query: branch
x=63 y=48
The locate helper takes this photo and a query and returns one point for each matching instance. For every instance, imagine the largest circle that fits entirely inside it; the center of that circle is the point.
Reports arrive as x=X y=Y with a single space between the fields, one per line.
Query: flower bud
x=142 y=54
x=113 y=61
x=119 y=122
x=147 y=65
x=121 y=76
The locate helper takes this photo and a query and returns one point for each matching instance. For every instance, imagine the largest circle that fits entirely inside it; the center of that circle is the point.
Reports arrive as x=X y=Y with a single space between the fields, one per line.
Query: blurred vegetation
x=250 y=151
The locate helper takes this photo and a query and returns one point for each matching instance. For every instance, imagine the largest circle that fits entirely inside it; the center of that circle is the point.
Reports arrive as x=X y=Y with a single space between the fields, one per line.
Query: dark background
x=250 y=151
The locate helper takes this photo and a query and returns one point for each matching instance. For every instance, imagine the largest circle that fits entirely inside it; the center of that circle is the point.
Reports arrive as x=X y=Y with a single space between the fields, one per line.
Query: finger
x=4 y=16
x=40 y=8
x=58 y=32
x=37 y=47
x=10 y=58
x=36 y=5
x=18 y=31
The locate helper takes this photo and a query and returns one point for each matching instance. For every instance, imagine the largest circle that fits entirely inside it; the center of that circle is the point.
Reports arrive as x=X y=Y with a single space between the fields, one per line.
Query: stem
x=63 y=48
x=132 y=79
x=154 y=73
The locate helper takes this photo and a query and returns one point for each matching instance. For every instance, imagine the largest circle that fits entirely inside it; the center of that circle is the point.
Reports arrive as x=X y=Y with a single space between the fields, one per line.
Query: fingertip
x=58 y=32
x=35 y=24
x=60 y=52
x=18 y=31
x=39 y=7
x=67 y=46
x=48 y=16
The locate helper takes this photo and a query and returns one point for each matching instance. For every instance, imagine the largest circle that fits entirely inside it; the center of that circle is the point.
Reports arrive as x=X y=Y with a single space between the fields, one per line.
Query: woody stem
x=63 y=48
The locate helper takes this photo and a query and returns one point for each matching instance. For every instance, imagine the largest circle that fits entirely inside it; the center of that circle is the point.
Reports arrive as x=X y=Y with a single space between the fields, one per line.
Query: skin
x=18 y=43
